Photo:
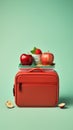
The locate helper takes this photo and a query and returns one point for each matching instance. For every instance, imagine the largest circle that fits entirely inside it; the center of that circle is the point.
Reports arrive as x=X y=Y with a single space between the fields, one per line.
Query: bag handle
x=36 y=70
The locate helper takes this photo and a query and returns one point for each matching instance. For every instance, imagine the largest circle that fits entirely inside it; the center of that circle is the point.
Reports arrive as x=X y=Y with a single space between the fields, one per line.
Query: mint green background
x=46 y=24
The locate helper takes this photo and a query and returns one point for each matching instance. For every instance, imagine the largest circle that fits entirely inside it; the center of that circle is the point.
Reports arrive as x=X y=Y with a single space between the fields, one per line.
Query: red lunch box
x=36 y=87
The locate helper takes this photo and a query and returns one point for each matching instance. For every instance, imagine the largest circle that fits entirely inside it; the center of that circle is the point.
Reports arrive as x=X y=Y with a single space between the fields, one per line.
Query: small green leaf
x=34 y=48
x=33 y=51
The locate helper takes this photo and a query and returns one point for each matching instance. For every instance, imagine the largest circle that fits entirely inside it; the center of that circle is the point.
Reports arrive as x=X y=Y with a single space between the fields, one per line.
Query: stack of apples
x=44 y=58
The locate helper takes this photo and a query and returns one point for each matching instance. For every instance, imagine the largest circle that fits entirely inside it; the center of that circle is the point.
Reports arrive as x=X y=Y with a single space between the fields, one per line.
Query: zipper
x=49 y=83
x=20 y=87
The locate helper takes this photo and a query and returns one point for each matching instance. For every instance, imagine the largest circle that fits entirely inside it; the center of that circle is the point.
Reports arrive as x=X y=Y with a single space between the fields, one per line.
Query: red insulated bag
x=36 y=87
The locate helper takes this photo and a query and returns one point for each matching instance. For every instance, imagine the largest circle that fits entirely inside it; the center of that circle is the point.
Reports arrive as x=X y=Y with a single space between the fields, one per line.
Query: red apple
x=30 y=59
x=26 y=59
x=38 y=51
x=47 y=58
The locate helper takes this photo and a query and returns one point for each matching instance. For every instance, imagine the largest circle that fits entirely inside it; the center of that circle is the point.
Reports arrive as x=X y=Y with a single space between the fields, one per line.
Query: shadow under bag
x=36 y=87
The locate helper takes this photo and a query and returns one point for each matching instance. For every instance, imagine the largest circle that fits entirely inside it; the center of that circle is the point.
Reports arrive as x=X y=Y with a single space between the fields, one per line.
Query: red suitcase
x=36 y=88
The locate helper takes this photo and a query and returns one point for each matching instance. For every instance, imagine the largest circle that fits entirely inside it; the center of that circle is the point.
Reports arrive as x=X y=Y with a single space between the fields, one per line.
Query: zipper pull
x=20 y=87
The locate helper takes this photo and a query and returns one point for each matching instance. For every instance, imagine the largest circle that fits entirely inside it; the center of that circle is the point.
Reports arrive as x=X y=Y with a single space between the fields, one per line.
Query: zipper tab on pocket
x=20 y=87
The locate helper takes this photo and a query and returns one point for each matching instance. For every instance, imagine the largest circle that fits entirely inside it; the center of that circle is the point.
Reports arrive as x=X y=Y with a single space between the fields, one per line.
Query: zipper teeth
x=50 y=83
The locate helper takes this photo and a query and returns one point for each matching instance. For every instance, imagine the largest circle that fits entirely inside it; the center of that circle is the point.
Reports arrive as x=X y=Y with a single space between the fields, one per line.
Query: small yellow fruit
x=9 y=104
